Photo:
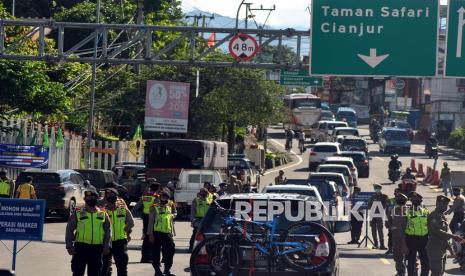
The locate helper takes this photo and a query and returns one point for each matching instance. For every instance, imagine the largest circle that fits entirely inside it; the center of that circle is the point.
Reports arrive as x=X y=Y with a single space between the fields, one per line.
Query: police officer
x=416 y=235
x=376 y=224
x=147 y=199
x=7 y=186
x=458 y=208
x=390 y=207
x=398 y=222
x=199 y=208
x=160 y=232
x=356 y=224
x=88 y=236
x=121 y=225
x=438 y=237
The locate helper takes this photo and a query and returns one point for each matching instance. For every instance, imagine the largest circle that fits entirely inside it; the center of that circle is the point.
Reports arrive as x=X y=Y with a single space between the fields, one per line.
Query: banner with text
x=18 y=156
x=167 y=106
x=22 y=219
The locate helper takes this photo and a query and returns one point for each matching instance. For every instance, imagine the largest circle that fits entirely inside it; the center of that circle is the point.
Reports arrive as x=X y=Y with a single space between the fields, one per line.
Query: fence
x=70 y=155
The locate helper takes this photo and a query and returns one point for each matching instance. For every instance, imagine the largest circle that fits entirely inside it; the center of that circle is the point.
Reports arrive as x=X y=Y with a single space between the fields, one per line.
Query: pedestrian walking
x=376 y=224
x=416 y=235
x=438 y=237
x=458 y=208
x=88 y=237
x=199 y=208
x=398 y=222
x=160 y=231
x=148 y=199
x=7 y=186
x=390 y=207
x=121 y=228
x=26 y=190
x=356 y=224
x=446 y=178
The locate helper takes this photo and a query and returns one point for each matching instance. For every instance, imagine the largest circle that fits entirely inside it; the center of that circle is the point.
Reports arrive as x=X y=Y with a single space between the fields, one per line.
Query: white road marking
x=384 y=261
x=379 y=158
x=300 y=160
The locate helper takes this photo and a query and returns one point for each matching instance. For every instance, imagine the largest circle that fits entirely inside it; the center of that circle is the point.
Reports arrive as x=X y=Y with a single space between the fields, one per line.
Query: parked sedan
x=62 y=190
x=360 y=160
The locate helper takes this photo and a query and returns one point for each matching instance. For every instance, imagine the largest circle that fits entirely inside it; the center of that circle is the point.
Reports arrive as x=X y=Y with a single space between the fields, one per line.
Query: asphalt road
x=50 y=257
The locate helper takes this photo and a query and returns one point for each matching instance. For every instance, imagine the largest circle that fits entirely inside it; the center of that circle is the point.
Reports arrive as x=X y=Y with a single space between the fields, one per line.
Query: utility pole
x=269 y=10
x=139 y=21
x=13 y=8
x=247 y=8
x=196 y=19
x=90 y=129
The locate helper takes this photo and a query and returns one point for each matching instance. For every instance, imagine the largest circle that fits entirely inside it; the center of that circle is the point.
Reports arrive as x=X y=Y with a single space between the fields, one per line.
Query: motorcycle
x=433 y=153
x=407 y=186
x=459 y=248
x=394 y=175
x=375 y=137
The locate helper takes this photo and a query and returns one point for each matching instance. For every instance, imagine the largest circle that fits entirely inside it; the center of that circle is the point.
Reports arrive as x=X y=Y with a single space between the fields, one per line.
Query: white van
x=189 y=184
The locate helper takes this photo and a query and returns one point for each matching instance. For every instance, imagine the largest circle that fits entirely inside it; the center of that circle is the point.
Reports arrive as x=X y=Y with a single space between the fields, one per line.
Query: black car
x=103 y=179
x=132 y=177
x=361 y=161
x=211 y=225
x=62 y=190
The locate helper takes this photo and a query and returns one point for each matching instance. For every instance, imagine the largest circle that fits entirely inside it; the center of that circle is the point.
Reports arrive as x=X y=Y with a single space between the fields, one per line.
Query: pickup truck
x=189 y=184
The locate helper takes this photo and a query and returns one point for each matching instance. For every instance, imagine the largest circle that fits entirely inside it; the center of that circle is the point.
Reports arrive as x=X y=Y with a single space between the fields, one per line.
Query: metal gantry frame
x=111 y=52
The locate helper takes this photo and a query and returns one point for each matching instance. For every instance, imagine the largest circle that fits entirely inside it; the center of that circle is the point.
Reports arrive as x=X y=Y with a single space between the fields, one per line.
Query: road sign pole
x=15 y=248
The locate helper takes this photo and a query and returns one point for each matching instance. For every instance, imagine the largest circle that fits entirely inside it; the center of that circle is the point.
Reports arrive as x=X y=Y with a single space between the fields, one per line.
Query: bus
x=303 y=110
x=166 y=158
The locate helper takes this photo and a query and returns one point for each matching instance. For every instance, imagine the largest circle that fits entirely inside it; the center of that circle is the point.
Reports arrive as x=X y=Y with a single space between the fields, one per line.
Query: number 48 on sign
x=243 y=47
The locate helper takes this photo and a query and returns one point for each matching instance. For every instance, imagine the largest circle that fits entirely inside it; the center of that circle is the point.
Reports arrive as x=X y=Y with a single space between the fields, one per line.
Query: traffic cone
x=436 y=181
x=429 y=175
x=420 y=172
x=413 y=165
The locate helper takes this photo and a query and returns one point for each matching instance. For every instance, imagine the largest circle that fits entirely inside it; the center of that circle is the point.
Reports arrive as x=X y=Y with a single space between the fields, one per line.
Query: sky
x=286 y=15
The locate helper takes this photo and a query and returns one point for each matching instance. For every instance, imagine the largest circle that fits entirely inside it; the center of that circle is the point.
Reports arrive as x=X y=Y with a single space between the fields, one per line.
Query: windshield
x=337 y=162
x=334 y=169
x=402 y=125
x=326 y=113
x=355 y=157
x=353 y=143
x=325 y=149
x=346 y=114
x=347 y=132
x=290 y=191
x=339 y=181
x=239 y=164
x=174 y=155
x=298 y=103
x=332 y=126
x=396 y=135
x=40 y=178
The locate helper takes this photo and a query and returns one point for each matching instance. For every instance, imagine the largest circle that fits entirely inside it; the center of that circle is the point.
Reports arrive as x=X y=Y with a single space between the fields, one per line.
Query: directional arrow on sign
x=373 y=59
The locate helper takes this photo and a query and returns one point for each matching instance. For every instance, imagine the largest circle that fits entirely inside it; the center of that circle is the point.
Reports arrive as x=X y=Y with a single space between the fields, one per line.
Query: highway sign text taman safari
x=374 y=37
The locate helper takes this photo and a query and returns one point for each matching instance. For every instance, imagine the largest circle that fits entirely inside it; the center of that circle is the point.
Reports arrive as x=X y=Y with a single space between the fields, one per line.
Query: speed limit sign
x=243 y=47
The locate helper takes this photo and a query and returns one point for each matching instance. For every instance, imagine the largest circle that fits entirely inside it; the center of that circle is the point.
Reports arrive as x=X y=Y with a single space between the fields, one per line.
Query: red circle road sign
x=243 y=47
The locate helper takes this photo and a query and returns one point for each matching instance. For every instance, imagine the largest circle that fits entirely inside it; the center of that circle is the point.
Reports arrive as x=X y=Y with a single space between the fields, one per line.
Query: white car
x=348 y=161
x=342 y=169
x=344 y=131
x=321 y=151
x=306 y=190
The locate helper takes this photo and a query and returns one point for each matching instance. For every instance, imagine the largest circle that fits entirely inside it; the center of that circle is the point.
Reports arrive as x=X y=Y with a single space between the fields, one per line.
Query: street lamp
x=237 y=15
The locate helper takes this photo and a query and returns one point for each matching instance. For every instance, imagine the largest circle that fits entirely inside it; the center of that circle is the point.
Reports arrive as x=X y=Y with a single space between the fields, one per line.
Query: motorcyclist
x=408 y=175
x=394 y=164
x=289 y=137
x=301 y=136
x=431 y=142
x=374 y=126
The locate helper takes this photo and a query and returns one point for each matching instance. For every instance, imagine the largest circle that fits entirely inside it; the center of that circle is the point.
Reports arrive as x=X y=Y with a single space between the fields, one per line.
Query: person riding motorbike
x=394 y=167
x=431 y=142
x=289 y=137
x=301 y=136
x=374 y=130
x=408 y=175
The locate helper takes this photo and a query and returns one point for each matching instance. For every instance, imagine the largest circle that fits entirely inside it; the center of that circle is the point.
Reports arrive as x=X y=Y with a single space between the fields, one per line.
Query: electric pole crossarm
x=171 y=45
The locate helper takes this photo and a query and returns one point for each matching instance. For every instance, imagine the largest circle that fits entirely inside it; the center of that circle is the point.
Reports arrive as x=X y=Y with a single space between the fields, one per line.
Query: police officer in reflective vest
x=149 y=198
x=7 y=186
x=88 y=236
x=121 y=228
x=416 y=235
x=160 y=233
x=199 y=208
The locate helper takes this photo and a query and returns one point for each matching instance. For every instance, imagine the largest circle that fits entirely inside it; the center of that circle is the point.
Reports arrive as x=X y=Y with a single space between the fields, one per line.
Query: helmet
x=408 y=170
x=433 y=134
x=394 y=156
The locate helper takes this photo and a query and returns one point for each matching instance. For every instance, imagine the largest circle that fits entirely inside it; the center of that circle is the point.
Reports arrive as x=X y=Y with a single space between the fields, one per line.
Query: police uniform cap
x=456 y=189
x=223 y=184
x=442 y=199
x=91 y=192
x=377 y=186
x=415 y=194
x=113 y=190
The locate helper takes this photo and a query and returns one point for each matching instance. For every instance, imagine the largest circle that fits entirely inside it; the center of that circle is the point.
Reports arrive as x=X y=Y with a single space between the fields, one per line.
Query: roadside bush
x=457 y=138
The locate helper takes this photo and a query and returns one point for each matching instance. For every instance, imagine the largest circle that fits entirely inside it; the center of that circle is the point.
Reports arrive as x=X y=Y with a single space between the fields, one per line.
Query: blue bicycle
x=303 y=246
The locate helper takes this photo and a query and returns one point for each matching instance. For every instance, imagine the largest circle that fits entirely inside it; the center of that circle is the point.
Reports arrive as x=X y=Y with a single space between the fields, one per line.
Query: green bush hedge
x=457 y=138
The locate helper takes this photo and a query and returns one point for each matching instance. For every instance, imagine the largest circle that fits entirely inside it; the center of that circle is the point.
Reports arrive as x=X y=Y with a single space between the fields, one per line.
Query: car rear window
x=334 y=169
x=289 y=191
x=356 y=157
x=337 y=179
x=402 y=125
x=335 y=125
x=239 y=164
x=325 y=190
x=325 y=148
x=357 y=143
x=337 y=162
x=396 y=135
x=347 y=132
x=40 y=178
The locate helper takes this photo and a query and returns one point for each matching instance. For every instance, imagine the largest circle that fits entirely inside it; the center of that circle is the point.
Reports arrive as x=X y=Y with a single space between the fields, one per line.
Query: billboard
x=22 y=219
x=167 y=106
x=18 y=156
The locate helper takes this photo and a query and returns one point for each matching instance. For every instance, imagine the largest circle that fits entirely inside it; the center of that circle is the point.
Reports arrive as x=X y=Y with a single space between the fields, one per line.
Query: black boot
x=158 y=272
x=382 y=247
x=375 y=245
x=168 y=273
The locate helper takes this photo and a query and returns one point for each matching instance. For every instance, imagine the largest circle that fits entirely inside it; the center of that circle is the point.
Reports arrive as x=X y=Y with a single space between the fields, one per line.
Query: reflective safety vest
x=164 y=220
x=210 y=198
x=417 y=222
x=202 y=206
x=4 y=187
x=89 y=228
x=118 y=224
x=148 y=201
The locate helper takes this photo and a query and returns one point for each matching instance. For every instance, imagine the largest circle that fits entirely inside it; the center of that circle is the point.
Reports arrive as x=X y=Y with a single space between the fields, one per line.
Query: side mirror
x=341 y=227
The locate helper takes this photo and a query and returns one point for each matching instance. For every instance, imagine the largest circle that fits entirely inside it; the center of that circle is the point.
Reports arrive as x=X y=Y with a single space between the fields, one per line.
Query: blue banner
x=22 y=219
x=362 y=197
x=18 y=156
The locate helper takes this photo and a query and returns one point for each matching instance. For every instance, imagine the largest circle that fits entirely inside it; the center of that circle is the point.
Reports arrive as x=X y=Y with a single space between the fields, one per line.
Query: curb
x=452 y=152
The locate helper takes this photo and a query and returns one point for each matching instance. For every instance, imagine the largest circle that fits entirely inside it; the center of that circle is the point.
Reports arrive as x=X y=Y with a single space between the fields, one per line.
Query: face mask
x=163 y=201
x=111 y=199
x=91 y=202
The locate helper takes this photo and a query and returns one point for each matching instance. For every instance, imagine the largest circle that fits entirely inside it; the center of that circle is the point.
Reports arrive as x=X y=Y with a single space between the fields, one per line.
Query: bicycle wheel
x=215 y=256
x=315 y=247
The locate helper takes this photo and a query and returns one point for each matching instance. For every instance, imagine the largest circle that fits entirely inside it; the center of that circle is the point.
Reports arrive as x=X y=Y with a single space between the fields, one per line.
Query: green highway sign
x=374 y=37
x=455 y=54
x=299 y=78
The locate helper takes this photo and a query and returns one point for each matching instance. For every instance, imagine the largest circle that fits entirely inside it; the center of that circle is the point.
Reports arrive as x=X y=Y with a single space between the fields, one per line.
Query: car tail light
x=365 y=162
x=322 y=249
x=312 y=153
x=202 y=257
